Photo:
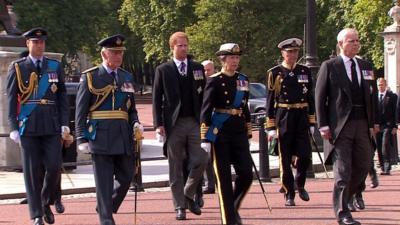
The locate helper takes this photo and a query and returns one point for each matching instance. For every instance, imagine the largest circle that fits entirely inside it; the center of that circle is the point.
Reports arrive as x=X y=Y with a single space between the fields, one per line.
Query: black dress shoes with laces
x=193 y=206
x=38 y=221
x=290 y=202
x=348 y=221
x=303 y=194
x=59 y=207
x=180 y=214
x=48 y=215
x=359 y=203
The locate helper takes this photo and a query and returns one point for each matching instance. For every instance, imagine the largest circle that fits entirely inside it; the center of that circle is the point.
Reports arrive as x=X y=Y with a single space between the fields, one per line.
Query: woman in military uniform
x=226 y=124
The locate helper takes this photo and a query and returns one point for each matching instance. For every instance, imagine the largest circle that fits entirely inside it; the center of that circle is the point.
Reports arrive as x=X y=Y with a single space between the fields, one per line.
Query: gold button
x=302 y=99
x=223 y=84
x=227 y=101
x=283 y=86
x=287 y=100
x=220 y=76
x=225 y=92
x=285 y=93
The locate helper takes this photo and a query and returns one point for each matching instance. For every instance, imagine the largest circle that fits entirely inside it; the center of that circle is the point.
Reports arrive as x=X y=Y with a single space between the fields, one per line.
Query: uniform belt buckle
x=43 y=101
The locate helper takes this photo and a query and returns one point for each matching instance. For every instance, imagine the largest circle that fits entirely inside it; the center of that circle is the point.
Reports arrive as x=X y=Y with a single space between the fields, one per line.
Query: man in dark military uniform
x=106 y=117
x=290 y=117
x=225 y=122
x=38 y=116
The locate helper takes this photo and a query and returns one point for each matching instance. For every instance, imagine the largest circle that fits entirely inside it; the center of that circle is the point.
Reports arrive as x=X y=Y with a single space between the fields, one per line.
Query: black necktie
x=354 y=78
x=114 y=75
x=38 y=66
x=380 y=97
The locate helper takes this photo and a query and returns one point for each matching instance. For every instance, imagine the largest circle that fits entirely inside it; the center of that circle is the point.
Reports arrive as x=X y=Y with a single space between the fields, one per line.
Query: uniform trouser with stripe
x=113 y=175
x=41 y=162
x=232 y=149
x=294 y=140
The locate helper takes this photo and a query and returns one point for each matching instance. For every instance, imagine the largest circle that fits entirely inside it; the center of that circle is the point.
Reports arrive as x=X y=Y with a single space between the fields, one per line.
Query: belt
x=293 y=106
x=108 y=114
x=233 y=112
x=41 y=102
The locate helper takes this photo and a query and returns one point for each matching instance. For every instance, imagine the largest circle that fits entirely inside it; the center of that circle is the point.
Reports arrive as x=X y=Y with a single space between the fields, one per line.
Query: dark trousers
x=113 y=175
x=385 y=145
x=41 y=162
x=232 y=149
x=183 y=146
x=209 y=177
x=351 y=162
x=294 y=140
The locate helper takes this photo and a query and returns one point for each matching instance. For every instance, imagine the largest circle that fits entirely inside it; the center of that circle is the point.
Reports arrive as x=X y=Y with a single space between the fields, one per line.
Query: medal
x=53 y=88
x=128 y=103
x=90 y=129
x=291 y=73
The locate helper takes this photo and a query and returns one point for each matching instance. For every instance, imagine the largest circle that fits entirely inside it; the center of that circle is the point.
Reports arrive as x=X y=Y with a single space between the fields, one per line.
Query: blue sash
x=218 y=119
x=90 y=132
x=27 y=109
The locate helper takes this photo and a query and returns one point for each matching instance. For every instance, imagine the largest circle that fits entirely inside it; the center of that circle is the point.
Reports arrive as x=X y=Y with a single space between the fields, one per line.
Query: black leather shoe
x=180 y=214
x=290 y=202
x=199 y=201
x=359 y=203
x=208 y=190
x=38 y=221
x=282 y=190
x=374 y=181
x=348 y=221
x=303 y=194
x=192 y=206
x=59 y=207
x=48 y=215
x=351 y=207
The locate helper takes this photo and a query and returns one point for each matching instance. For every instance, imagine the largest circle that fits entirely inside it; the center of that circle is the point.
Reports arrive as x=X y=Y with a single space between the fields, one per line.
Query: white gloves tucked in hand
x=84 y=148
x=272 y=133
x=65 y=130
x=160 y=138
x=14 y=135
x=312 y=129
x=206 y=146
x=139 y=127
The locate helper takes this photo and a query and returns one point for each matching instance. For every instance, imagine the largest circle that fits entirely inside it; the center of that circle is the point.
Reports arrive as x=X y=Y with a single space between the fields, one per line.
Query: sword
x=319 y=154
x=67 y=175
x=138 y=137
x=262 y=187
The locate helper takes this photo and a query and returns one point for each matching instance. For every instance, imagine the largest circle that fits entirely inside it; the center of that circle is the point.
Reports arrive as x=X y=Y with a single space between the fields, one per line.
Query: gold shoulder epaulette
x=90 y=69
x=216 y=74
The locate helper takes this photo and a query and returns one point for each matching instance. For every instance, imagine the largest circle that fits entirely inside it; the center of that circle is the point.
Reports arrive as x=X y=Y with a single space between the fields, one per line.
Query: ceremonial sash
x=27 y=109
x=218 y=119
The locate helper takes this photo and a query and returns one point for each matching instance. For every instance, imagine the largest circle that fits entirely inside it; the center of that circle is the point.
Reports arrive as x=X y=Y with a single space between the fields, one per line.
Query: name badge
x=242 y=85
x=127 y=87
x=368 y=74
x=302 y=78
x=198 y=75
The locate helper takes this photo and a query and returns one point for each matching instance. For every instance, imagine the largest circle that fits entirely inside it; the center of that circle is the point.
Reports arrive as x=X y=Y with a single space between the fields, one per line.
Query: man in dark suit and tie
x=177 y=98
x=346 y=98
x=106 y=119
x=38 y=119
x=387 y=124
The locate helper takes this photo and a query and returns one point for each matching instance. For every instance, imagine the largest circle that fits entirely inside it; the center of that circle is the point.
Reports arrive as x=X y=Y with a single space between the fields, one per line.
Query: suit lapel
x=342 y=75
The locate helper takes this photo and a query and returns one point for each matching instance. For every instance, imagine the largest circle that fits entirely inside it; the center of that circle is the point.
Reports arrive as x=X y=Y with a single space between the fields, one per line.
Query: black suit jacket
x=387 y=110
x=167 y=96
x=45 y=119
x=113 y=136
x=333 y=100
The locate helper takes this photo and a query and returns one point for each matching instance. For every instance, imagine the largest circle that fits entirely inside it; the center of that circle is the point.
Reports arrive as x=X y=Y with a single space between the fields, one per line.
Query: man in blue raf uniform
x=106 y=118
x=38 y=119
x=225 y=122
x=290 y=117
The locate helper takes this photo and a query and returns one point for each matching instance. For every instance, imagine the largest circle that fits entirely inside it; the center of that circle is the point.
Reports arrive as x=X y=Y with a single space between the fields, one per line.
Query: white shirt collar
x=108 y=69
x=35 y=59
x=178 y=62
x=383 y=93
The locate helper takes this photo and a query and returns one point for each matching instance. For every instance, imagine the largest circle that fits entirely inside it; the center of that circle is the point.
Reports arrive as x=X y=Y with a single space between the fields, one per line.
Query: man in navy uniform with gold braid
x=290 y=117
x=225 y=122
x=106 y=118
x=38 y=119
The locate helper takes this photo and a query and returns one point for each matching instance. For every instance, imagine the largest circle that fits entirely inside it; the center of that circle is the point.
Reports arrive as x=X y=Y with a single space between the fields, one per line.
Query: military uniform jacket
x=167 y=96
x=45 y=119
x=220 y=93
x=333 y=98
x=387 y=110
x=291 y=88
x=113 y=136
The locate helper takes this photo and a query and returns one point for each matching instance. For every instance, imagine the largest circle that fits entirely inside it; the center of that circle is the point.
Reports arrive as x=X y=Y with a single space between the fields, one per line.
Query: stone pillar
x=391 y=37
x=9 y=151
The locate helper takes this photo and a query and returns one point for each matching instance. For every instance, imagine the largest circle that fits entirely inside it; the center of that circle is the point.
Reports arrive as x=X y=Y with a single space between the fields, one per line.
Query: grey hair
x=342 y=34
